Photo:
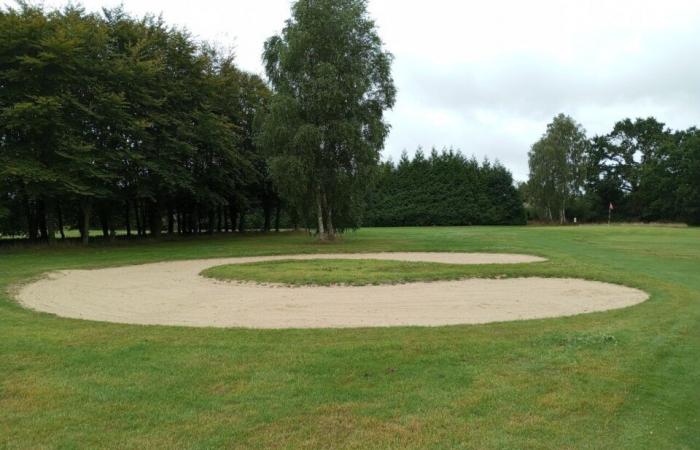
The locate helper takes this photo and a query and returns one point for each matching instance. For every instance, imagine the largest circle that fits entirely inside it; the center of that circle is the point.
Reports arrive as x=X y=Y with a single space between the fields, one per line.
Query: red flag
x=610 y=206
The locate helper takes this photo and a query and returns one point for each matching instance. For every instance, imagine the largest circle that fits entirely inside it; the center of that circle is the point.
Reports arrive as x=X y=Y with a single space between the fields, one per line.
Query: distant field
x=625 y=378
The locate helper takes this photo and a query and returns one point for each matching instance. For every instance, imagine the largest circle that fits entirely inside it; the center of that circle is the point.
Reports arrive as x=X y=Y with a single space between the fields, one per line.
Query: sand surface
x=173 y=293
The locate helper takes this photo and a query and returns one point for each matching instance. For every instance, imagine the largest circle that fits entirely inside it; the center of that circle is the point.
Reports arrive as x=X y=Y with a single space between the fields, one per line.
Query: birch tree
x=557 y=167
x=332 y=83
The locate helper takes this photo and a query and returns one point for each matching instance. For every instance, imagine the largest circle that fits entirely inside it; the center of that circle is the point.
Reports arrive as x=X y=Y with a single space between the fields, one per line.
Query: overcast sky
x=487 y=76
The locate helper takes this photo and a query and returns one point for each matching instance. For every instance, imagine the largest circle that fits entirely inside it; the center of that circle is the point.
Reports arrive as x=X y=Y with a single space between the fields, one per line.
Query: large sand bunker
x=173 y=293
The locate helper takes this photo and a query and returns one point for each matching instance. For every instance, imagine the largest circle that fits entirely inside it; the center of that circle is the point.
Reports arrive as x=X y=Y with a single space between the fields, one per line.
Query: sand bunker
x=173 y=293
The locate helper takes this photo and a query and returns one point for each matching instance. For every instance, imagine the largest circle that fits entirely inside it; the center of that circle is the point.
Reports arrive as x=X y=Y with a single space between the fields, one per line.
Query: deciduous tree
x=557 y=167
x=325 y=128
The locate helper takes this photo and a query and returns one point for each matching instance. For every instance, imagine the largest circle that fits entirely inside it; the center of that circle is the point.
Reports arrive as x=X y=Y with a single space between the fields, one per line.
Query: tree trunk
x=41 y=219
x=319 y=213
x=562 y=213
x=144 y=217
x=196 y=223
x=171 y=221
x=219 y=219
x=104 y=221
x=294 y=216
x=137 y=214
x=267 y=212
x=127 y=219
x=31 y=219
x=241 y=221
x=60 y=221
x=210 y=221
x=143 y=208
x=50 y=221
x=233 y=214
x=330 y=231
x=156 y=221
x=85 y=209
x=277 y=218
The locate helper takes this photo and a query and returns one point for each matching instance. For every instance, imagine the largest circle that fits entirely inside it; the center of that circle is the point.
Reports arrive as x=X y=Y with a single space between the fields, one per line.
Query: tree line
x=639 y=171
x=445 y=188
x=126 y=123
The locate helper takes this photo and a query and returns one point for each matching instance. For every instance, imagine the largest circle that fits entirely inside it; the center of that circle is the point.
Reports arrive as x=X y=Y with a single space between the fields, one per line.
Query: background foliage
x=645 y=170
x=443 y=189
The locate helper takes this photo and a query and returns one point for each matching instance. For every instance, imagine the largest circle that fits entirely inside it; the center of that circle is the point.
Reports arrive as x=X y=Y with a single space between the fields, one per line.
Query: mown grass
x=326 y=272
x=619 y=379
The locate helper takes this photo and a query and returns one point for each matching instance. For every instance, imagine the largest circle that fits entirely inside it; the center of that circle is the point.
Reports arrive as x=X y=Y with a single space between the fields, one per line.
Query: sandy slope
x=173 y=293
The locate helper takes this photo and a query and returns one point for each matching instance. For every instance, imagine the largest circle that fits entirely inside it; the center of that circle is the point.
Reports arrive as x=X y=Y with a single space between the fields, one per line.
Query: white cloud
x=487 y=76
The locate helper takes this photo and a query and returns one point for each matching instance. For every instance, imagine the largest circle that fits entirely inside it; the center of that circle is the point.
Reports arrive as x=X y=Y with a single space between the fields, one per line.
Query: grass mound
x=326 y=272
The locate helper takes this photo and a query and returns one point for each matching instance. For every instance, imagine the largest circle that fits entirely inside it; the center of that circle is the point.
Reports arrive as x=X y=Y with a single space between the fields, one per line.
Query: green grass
x=325 y=272
x=619 y=379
